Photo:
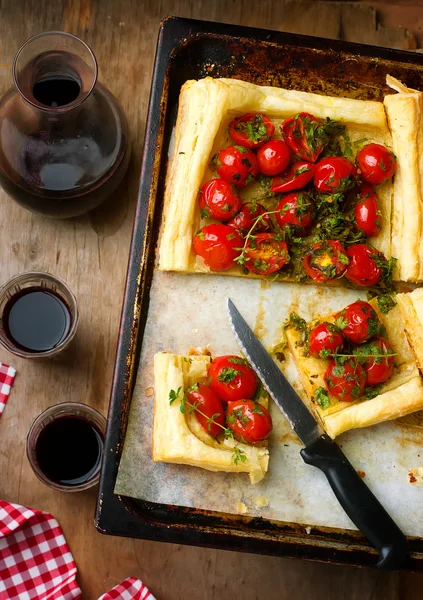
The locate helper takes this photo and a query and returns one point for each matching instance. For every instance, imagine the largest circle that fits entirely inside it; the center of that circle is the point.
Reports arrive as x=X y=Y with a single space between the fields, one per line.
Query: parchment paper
x=183 y=313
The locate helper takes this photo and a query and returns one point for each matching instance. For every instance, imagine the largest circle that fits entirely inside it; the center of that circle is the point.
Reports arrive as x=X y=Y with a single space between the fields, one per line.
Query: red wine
x=56 y=91
x=36 y=319
x=68 y=450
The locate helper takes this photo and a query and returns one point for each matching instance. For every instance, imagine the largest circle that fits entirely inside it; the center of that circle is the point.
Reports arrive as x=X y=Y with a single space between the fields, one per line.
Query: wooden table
x=91 y=252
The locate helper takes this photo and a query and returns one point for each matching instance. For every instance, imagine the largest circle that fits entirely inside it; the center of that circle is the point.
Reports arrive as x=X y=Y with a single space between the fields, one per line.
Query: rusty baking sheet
x=190 y=50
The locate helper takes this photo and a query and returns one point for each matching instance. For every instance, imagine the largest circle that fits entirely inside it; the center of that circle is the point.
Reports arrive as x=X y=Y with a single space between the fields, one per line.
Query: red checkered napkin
x=7 y=375
x=36 y=563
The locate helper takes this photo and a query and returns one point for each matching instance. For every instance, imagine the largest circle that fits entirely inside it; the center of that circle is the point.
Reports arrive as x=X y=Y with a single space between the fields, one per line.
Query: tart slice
x=356 y=366
x=203 y=419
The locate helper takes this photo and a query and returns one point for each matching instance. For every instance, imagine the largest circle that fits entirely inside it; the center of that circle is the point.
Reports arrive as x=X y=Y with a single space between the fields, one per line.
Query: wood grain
x=91 y=253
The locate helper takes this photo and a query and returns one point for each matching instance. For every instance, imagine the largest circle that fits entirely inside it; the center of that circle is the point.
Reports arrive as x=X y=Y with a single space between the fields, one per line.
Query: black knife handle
x=362 y=507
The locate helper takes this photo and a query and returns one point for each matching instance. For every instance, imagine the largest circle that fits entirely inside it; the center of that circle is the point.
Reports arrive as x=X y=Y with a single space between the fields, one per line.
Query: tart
x=400 y=391
x=178 y=436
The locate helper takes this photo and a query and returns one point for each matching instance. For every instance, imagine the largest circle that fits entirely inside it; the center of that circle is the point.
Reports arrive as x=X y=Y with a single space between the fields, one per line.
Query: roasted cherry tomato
x=334 y=174
x=368 y=216
x=249 y=421
x=358 y=322
x=325 y=339
x=273 y=157
x=296 y=209
x=325 y=260
x=295 y=178
x=377 y=357
x=376 y=163
x=251 y=130
x=306 y=135
x=346 y=382
x=232 y=378
x=237 y=165
x=210 y=404
x=266 y=254
x=219 y=245
x=219 y=200
x=247 y=216
x=365 y=267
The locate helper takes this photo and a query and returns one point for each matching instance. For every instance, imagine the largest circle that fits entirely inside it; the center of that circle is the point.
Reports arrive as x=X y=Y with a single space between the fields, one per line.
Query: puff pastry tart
x=357 y=367
x=205 y=415
x=267 y=182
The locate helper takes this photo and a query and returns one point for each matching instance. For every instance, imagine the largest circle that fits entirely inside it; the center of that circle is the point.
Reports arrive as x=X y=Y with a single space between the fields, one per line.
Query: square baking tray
x=189 y=49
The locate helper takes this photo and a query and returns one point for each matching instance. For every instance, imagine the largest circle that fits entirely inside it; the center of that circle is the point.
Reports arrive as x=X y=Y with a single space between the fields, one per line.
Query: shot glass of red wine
x=38 y=315
x=65 y=446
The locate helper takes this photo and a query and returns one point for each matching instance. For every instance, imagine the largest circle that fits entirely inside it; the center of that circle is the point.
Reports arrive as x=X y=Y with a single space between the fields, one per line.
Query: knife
x=362 y=507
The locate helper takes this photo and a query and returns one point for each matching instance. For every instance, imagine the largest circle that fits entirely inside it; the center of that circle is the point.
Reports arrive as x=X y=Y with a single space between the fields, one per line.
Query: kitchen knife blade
x=360 y=504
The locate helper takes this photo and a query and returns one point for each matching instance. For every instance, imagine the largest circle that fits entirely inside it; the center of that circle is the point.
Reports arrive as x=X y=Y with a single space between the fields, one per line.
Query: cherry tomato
x=219 y=200
x=251 y=130
x=232 y=378
x=237 y=165
x=210 y=404
x=365 y=265
x=219 y=245
x=376 y=163
x=358 y=321
x=306 y=135
x=368 y=216
x=334 y=174
x=296 y=209
x=325 y=339
x=249 y=421
x=380 y=364
x=325 y=260
x=247 y=216
x=346 y=382
x=296 y=177
x=266 y=254
x=273 y=157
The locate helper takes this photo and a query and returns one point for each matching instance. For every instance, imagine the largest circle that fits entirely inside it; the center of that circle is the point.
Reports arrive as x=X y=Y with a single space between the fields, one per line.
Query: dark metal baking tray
x=189 y=49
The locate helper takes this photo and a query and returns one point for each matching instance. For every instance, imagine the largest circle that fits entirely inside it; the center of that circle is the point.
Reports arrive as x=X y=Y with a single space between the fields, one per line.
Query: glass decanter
x=63 y=137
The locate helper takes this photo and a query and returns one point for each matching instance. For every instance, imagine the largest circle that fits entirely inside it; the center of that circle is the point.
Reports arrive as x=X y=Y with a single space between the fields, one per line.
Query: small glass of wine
x=38 y=315
x=65 y=446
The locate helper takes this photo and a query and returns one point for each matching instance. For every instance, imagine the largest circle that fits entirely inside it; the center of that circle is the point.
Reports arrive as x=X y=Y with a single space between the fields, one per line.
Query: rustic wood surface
x=91 y=252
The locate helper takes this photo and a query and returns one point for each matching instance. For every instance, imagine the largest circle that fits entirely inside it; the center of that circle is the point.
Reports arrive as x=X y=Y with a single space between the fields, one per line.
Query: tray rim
x=118 y=515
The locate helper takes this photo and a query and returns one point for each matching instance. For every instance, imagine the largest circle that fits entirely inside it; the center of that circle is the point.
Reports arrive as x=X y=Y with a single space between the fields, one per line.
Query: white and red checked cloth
x=36 y=563
x=7 y=375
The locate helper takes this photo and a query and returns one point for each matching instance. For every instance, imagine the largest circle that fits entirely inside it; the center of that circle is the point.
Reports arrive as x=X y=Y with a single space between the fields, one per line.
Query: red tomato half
x=237 y=165
x=266 y=254
x=249 y=421
x=367 y=212
x=306 y=135
x=325 y=339
x=325 y=260
x=251 y=130
x=378 y=360
x=346 y=382
x=210 y=404
x=247 y=216
x=358 y=321
x=219 y=200
x=295 y=178
x=232 y=378
x=273 y=157
x=376 y=163
x=364 y=269
x=296 y=209
x=219 y=245
x=334 y=174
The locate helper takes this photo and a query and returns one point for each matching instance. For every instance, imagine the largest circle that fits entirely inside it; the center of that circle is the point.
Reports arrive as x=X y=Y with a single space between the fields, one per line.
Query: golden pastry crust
x=405 y=116
x=205 y=109
x=400 y=395
x=173 y=438
x=411 y=307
